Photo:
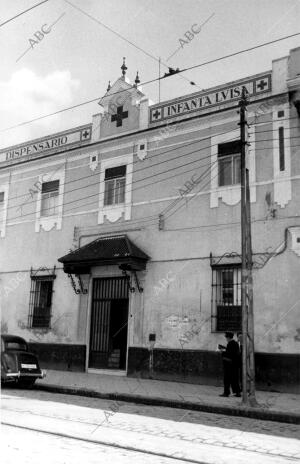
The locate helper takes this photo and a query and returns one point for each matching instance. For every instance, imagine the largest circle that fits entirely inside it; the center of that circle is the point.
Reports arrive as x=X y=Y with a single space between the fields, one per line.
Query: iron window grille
x=40 y=301
x=49 y=198
x=226 y=299
x=229 y=163
x=115 y=182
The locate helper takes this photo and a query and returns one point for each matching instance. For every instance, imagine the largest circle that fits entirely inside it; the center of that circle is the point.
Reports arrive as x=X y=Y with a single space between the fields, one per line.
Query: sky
x=83 y=44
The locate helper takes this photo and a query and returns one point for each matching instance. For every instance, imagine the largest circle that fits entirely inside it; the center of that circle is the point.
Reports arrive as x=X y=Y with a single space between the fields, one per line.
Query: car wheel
x=26 y=383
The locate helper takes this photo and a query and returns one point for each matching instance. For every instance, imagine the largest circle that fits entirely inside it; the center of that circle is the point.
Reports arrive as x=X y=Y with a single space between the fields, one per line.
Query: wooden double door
x=109 y=323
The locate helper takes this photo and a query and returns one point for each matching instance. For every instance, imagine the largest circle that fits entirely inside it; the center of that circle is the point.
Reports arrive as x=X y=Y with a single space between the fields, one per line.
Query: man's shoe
x=238 y=395
x=223 y=394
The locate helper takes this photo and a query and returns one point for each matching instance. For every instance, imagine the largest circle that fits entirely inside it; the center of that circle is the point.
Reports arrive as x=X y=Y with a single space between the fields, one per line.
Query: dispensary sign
x=49 y=143
x=204 y=100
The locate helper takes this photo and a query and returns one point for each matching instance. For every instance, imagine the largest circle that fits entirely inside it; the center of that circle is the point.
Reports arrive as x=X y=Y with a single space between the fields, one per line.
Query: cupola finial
x=108 y=87
x=124 y=68
x=137 y=79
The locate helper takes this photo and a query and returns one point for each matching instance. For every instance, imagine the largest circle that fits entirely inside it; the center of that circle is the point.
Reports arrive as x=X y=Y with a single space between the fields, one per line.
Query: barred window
x=49 y=198
x=226 y=299
x=229 y=163
x=40 y=301
x=115 y=182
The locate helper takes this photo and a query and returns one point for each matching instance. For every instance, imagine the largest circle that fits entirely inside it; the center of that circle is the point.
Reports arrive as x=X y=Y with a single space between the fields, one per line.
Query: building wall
x=176 y=301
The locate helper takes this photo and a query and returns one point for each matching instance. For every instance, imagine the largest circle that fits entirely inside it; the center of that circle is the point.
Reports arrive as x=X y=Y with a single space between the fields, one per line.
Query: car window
x=15 y=346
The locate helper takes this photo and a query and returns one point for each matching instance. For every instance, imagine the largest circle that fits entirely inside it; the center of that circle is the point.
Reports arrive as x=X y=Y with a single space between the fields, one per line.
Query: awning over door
x=118 y=250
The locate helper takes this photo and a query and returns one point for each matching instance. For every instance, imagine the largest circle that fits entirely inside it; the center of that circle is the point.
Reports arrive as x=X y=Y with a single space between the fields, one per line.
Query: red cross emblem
x=262 y=85
x=85 y=134
x=156 y=114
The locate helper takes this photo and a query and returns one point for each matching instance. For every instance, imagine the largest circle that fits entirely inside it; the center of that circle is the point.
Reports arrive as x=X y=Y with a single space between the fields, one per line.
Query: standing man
x=231 y=356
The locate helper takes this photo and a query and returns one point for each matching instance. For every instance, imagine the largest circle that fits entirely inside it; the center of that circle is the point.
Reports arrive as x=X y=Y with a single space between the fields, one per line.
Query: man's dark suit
x=231 y=358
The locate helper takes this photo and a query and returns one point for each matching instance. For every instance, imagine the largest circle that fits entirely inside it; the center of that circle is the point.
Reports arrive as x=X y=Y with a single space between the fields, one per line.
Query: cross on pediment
x=119 y=116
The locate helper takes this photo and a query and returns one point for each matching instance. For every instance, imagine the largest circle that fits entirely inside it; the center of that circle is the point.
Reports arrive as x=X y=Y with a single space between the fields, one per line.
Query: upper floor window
x=115 y=182
x=49 y=198
x=229 y=163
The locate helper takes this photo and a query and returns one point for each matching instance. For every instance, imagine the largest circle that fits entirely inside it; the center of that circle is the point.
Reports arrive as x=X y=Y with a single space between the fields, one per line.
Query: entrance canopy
x=116 y=250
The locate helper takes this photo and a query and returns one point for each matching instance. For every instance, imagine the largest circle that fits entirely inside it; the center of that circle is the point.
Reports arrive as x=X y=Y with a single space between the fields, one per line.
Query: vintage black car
x=18 y=365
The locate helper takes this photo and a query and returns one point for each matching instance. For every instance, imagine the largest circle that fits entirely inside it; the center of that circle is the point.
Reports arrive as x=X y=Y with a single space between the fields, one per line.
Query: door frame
x=102 y=273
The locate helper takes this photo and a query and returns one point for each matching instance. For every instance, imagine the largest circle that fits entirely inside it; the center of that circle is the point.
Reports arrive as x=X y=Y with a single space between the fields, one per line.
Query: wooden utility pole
x=250 y=353
x=246 y=278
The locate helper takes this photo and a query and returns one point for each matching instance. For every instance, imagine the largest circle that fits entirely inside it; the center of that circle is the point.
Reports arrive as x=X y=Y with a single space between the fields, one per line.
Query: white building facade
x=120 y=239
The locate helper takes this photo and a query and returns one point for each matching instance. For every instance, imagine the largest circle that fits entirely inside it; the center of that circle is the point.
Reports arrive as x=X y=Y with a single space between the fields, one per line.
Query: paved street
x=66 y=429
x=65 y=450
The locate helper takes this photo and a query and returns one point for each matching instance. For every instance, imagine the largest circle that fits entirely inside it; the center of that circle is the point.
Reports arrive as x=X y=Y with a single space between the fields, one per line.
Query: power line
x=205 y=226
x=241 y=51
x=177 y=200
x=146 y=218
x=162 y=180
x=213 y=135
x=125 y=39
x=160 y=162
x=135 y=182
x=271 y=148
x=154 y=218
x=153 y=156
x=195 y=194
x=151 y=81
x=202 y=188
x=23 y=12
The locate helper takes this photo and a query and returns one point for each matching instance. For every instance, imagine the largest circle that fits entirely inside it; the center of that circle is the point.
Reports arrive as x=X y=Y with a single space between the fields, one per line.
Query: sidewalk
x=281 y=407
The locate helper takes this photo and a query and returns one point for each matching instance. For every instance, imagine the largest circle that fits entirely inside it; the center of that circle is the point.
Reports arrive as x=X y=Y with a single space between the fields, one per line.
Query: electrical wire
x=176 y=201
x=126 y=40
x=22 y=12
x=155 y=80
x=198 y=191
x=154 y=156
x=156 y=164
x=195 y=194
x=241 y=51
x=154 y=218
x=134 y=189
x=141 y=180
x=167 y=151
x=225 y=224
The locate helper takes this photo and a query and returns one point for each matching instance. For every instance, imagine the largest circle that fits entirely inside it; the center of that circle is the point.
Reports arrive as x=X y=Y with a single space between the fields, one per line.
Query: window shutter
x=1 y=197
